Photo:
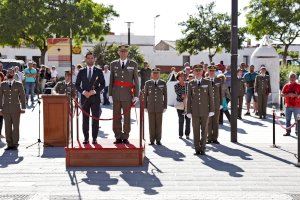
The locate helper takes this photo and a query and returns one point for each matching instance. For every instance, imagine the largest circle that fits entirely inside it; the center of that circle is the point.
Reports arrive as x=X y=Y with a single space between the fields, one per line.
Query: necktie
x=155 y=83
x=123 y=66
x=90 y=74
x=212 y=81
x=9 y=84
x=199 y=82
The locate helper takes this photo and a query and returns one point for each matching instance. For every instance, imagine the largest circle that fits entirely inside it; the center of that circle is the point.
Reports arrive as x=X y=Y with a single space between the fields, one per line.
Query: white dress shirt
x=123 y=61
x=106 y=77
x=88 y=69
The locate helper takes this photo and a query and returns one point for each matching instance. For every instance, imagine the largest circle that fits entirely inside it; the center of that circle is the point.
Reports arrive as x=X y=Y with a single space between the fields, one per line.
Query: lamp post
x=154 y=26
x=128 y=26
x=234 y=55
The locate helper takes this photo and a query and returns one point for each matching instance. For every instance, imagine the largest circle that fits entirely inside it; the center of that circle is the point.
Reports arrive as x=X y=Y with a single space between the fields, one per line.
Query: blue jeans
x=29 y=88
x=288 y=116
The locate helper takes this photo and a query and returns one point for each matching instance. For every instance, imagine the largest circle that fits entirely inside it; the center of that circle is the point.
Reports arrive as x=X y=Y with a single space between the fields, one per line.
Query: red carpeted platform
x=105 y=153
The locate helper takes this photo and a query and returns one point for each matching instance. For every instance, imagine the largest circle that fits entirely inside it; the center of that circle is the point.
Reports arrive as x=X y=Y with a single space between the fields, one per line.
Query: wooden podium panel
x=105 y=154
x=55 y=109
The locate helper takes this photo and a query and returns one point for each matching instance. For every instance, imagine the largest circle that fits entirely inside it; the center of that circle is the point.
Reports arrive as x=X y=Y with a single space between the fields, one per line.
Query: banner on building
x=59 y=50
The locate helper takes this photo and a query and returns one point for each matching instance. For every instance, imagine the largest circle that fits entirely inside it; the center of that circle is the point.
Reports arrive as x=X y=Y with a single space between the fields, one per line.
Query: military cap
x=197 y=67
x=155 y=70
x=212 y=68
x=123 y=47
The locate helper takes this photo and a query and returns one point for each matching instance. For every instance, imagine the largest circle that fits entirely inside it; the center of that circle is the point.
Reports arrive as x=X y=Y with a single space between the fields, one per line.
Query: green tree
x=31 y=22
x=207 y=30
x=278 y=19
x=105 y=54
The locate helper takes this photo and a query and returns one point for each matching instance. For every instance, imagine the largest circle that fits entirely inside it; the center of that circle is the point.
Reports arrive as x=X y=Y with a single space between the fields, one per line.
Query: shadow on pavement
x=189 y=143
x=142 y=177
x=2 y=144
x=265 y=153
x=165 y=152
x=101 y=134
x=53 y=152
x=229 y=151
x=227 y=128
x=253 y=123
x=219 y=165
x=10 y=158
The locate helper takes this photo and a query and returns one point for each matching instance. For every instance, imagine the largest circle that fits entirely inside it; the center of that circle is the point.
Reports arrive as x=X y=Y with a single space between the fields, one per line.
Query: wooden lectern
x=55 y=108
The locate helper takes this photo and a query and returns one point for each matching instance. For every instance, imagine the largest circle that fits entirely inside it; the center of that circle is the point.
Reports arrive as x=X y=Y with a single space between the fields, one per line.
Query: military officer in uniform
x=155 y=104
x=200 y=106
x=213 y=123
x=145 y=74
x=241 y=91
x=66 y=86
x=262 y=89
x=123 y=91
x=12 y=104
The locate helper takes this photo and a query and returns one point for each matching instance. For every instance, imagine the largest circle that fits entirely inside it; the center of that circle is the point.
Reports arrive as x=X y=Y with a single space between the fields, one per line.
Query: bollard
x=274 y=144
x=298 y=129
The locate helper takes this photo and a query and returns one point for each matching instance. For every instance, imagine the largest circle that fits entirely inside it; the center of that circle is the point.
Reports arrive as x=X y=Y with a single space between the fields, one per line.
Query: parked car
x=8 y=63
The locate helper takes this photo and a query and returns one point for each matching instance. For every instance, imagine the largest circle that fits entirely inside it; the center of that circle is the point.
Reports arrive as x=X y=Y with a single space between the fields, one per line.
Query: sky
x=142 y=13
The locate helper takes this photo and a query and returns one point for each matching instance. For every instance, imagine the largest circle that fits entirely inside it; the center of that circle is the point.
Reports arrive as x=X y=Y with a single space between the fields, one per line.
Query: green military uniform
x=122 y=81
x=241 y=93
x=213 y=122
x=12 y=99
x=155 y=103
x=200 y=103
x=145 y=76
x=62 y=87
x=262 y=87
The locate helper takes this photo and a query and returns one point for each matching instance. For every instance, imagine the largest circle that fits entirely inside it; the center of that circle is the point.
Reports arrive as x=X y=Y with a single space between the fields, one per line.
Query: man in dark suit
x=90 y=82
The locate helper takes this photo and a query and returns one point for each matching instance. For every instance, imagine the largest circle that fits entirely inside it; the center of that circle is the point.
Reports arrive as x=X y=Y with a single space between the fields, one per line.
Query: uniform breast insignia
x=130 y=68
x=161 y=86
x=204 y=86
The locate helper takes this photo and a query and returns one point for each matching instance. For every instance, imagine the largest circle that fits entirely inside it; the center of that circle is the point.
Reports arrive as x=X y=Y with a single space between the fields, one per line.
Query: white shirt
x=54 y=73
x=123 y=61
x=11 y=82
x=88 y=69
x=155 y=81
x=199 y=80
x=106 y=77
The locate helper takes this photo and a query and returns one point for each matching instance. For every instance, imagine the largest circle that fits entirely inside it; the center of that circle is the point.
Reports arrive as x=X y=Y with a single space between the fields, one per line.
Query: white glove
x=135 y=100
x=189 y=115
x=221 y=107
x=146 y=110
x=164 y=110
x=110 y=99
x=93 y=92
x=255 y=94
x=210 y=114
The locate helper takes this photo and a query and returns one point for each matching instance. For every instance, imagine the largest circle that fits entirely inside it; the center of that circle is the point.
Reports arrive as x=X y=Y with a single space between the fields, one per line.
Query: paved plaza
x=249 y=169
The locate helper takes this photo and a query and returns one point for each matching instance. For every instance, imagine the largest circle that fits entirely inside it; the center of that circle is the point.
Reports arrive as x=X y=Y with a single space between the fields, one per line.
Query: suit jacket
x=128 y=74
x=12 y=98
x=262 y=85
x=96 y=83
x=156 y=97
x=200 y=98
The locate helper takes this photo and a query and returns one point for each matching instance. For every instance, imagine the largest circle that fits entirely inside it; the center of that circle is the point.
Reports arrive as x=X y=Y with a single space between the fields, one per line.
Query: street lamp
x=154 y=21
x=128 y=26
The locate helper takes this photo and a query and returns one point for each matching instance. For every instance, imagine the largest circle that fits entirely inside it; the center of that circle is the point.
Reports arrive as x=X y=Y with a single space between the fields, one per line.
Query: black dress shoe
x=202 y=153
x=85 y=142
x=264 y=117
x=197 y=153
x=158 y=143
x=187 y=137
x=239 y=117
x=180 y=137
x=151 y=143
x=8 y=148
x=209 y=142
x=95 y=142
x=118 y=141
x=125 y=141
x=216 y=142
x=287 y=134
